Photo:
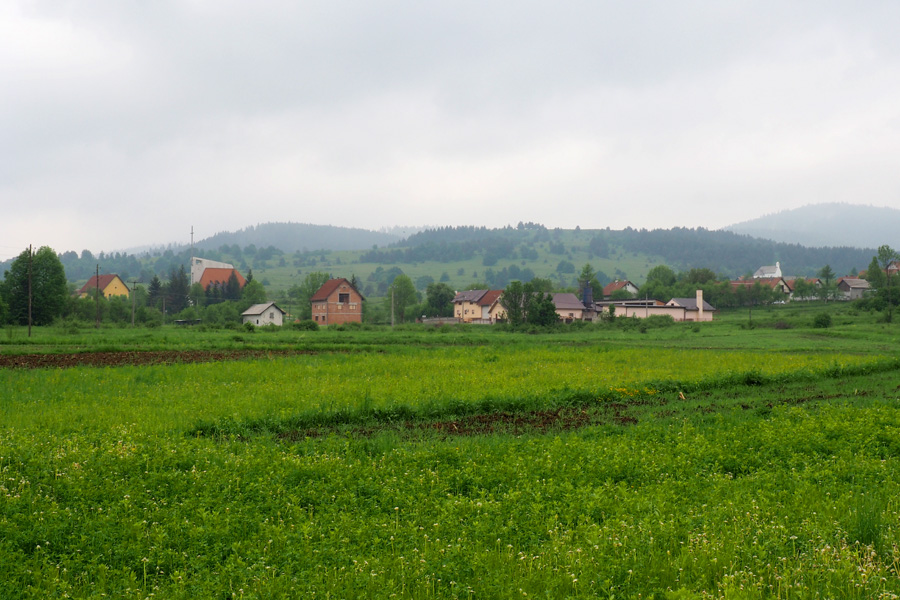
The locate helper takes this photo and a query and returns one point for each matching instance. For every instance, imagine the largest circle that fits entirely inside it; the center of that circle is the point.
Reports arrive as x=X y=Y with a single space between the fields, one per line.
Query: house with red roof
x=219 y=276
x=109 y=285
x=336 y=302
x=617 y=285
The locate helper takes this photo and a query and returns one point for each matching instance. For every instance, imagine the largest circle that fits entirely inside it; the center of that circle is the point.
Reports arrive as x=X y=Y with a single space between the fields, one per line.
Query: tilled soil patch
x=563 y=419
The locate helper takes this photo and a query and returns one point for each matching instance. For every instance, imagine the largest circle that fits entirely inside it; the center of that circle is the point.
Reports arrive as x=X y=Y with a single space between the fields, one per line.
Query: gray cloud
x=125 y=123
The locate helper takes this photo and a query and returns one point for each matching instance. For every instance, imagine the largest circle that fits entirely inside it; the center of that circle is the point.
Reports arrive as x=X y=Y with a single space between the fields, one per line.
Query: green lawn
x=717 y=461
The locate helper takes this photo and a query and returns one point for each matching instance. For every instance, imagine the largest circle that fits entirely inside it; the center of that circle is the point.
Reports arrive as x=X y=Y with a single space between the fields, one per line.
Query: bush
x=783 y=325
x=249 y=327
x=307 y=325
x=822 y=321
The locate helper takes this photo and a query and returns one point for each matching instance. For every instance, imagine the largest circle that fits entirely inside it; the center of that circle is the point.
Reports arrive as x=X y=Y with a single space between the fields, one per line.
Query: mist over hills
x=830 y=224
x=302 y=237
x=282 y=252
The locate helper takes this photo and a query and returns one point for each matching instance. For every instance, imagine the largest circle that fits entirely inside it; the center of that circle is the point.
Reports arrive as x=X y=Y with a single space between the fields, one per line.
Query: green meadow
x=753 y=457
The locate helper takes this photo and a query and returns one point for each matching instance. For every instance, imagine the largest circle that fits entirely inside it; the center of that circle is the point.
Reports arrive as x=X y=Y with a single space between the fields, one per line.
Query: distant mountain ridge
x=299 y=237
x=829 y=224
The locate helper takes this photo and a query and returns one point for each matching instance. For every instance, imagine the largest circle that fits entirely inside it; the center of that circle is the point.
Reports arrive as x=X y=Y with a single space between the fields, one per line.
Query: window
x=343 y=298
x=272 y=316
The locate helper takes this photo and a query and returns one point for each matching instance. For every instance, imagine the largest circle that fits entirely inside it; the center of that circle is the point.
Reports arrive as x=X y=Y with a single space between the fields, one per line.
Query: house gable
x=110 y=285
x=337 y=301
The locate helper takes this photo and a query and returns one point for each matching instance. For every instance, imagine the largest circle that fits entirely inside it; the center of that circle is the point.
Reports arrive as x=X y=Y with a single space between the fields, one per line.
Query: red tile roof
x=328 y=288
x=616 y=285
x=215 y=275
x=489 y=298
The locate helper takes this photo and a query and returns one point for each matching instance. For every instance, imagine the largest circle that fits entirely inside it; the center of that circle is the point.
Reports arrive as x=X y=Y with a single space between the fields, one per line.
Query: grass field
x=716 y=461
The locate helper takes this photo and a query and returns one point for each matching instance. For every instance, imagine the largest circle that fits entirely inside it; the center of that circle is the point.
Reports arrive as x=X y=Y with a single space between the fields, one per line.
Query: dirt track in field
x=118 y=359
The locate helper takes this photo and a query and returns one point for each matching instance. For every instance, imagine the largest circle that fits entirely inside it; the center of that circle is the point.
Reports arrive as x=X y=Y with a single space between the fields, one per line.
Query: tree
x=540 y=284
x=303 y=292
x=177 y=290
x=439 y=300
x=525 y=305
x=886 y=258
x=803 y=290
x=253 y=293
x=588 y=277
x=874 y=275
x=154 y=292
x=826 y=275
x=49 y=291
x=540 y=310
x=403 y=293
x=662 y=275
x=700 y=276
x=232 y=289
x=513 y=301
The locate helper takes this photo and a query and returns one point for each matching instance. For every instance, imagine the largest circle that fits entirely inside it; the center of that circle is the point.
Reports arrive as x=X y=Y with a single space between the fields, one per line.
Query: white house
x=264 y=314
x=768 y=272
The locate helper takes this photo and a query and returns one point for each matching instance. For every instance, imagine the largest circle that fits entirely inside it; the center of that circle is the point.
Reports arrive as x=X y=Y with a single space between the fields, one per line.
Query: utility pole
x=392 y=305
x=192 y=255
x=133 y=300
x=97 y=280
x=30 y=257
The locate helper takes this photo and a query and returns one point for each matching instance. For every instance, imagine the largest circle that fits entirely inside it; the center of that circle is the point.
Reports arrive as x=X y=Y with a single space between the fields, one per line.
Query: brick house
x=336 y=302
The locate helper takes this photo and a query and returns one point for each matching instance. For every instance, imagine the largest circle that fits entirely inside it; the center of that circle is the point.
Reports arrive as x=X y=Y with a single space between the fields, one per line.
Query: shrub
x=783 y=325
x=307 y=325
x=822 y=321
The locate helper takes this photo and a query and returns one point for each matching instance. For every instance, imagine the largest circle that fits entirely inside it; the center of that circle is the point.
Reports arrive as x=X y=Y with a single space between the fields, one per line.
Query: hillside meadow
x=673 y=461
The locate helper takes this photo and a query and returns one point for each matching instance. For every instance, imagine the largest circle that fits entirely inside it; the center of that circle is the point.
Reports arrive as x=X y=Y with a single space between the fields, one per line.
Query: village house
x=199 y=265
x=813 y=283
x=466 y=307
x=776 y=284
x=486 y=304
x=617 y=285
x=680 y=309
x=691 y=309
x=336 y=302
x=568 y=307
x=109 y=285
x=769 y=272
x=853 y=288
x=218 y=277
x=264 y=314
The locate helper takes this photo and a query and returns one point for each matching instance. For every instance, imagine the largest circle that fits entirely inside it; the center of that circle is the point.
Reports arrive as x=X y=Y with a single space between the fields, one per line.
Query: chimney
x=699 y=305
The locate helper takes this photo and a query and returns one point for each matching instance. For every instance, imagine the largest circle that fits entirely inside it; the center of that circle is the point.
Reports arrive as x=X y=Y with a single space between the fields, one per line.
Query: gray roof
x=689 y=304
x=258 y=309
x=469 y=295
x=567 y=302
x=855 y=283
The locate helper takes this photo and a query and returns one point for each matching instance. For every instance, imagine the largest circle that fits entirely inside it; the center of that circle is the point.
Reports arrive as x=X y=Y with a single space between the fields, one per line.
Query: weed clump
x=822 y=321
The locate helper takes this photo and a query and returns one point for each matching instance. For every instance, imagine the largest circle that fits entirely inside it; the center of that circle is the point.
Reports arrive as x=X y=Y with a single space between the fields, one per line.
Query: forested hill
x=730 y=253
x=722 y=251
x=827 y=224
x=299 y=237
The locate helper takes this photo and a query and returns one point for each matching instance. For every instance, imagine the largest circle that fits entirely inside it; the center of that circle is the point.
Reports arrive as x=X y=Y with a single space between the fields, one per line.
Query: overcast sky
x=127 y=122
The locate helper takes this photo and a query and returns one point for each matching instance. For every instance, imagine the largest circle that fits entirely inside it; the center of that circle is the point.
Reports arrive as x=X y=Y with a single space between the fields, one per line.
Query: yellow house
x=110 y=285
x=465 y=305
